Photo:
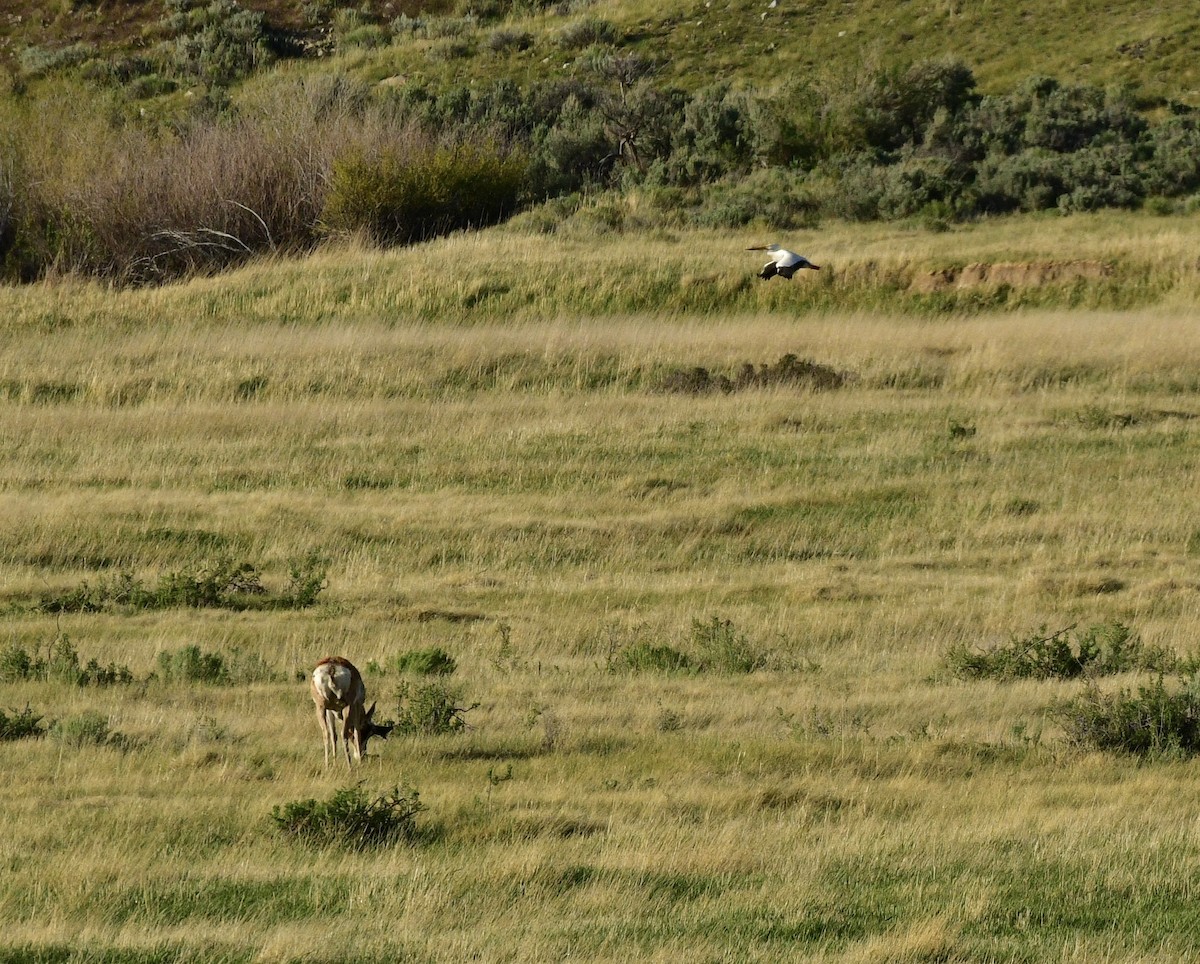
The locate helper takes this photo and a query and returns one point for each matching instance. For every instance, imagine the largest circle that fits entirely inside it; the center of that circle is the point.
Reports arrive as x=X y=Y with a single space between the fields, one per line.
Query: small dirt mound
x=789 y=370
x=1017 y=274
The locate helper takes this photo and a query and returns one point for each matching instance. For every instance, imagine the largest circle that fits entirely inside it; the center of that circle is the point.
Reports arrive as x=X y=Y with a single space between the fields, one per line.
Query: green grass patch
x=433 y=661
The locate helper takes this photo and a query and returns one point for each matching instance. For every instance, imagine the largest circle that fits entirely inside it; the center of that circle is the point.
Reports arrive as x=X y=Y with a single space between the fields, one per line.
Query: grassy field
x=504 y=472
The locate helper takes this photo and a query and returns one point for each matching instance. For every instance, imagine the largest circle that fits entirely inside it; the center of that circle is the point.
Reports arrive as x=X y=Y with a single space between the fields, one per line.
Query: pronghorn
x=339 y=692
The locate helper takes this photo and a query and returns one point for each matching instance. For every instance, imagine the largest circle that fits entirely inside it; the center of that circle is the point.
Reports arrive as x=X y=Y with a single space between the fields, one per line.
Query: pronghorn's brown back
x=337 y=683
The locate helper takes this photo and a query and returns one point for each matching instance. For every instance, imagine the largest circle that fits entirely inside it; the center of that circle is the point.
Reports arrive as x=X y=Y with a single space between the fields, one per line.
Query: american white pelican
x=783 y=262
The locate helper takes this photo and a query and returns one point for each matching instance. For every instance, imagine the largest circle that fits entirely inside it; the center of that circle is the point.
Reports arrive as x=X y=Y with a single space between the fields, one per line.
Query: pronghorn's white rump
x=340 y=695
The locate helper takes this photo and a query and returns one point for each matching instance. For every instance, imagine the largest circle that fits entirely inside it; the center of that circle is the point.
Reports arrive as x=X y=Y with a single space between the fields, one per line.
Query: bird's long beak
x=758 y=247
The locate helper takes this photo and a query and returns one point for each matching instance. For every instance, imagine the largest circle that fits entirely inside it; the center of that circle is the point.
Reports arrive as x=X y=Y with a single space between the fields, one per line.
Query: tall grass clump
x=350 y=819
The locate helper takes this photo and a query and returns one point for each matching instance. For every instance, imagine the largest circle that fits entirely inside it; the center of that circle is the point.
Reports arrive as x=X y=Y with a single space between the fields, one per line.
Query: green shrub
x=16 y=664
x=788 y=371
x=1102 y=650
x=397 y=198
x=216 y=43
x=509 y=38
x=21 y=724
x=306 y=580
x=349 y=819
x=430 y=709
x=38 y=61
x=426 y=662
x=1154 y=721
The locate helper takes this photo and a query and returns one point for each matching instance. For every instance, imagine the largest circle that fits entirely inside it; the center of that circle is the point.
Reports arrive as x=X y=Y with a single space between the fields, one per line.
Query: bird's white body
x=783 y=262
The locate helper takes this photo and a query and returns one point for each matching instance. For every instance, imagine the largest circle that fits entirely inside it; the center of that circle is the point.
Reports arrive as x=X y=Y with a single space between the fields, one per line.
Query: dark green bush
x=399 y=197
x=1101 y=650
x=20 y=724
x=189 y=664
x=224 y=584
x=430 y=709
x=789 y=370
x=350 y=819
x=1155 y=721
x=647 y=657
x=426 y=662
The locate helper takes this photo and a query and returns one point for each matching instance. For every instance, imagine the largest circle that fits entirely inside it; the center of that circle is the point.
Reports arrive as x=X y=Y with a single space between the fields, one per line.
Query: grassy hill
x=1154 y=50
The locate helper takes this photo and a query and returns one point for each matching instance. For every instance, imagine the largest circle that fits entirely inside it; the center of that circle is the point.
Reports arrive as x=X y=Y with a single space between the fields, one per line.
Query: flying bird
x=783 y=262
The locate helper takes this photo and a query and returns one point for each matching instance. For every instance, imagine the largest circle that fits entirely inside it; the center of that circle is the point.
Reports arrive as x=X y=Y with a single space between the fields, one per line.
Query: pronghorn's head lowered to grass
x=340 y=694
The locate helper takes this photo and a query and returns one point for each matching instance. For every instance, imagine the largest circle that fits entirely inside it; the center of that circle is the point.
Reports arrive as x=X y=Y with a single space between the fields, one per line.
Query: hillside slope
x=746 y=42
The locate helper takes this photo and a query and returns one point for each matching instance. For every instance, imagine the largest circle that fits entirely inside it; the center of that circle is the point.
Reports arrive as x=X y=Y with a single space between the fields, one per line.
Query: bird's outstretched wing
x=769 y=271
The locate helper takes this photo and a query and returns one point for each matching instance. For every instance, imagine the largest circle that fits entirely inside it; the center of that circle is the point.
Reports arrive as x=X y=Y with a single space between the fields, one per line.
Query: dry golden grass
x=515 y=490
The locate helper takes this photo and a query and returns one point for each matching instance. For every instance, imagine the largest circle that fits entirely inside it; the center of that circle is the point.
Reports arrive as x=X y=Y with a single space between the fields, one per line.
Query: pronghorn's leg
x=349 y=736
x=323 y=723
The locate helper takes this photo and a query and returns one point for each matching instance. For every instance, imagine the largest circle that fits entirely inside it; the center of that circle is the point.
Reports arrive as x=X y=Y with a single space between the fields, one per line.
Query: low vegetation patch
x=191 y=665
x=1154 y=721
x=223 y=584
x=434 y=661
x=647 y=657
x=712 y=645
x=61 y=663
x=351 y=819
x=87 y=729
x=788 y=371
x=18 y=724
x=1102 y=650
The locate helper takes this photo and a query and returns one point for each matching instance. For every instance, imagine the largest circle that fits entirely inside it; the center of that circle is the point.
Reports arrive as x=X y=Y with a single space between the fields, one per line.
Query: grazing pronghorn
x=340 y=694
